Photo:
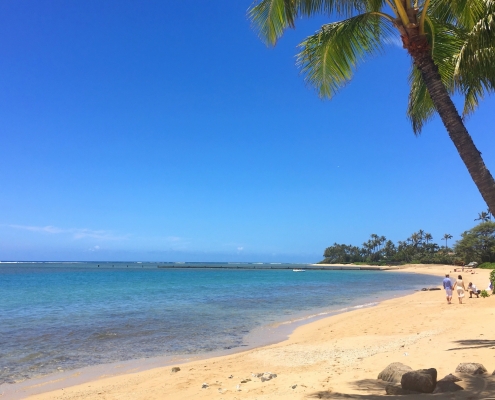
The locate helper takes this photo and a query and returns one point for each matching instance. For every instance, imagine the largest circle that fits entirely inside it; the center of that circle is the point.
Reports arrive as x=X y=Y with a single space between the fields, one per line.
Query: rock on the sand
x=204 y=386
x=448 y=384
x=397 y=390
x=421 y=380
x=174 y=370
x=446 y=387
x=264 y=376
x=393 y=372
x=450 y=378
x=267 y=376
x=471 y=368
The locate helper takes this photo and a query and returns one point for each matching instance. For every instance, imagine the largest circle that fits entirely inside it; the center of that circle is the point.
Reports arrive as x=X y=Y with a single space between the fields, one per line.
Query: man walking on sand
x=447 y=285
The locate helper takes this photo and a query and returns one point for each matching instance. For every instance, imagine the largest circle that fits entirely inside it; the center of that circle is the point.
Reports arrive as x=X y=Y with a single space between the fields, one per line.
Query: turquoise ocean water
x=57 y=316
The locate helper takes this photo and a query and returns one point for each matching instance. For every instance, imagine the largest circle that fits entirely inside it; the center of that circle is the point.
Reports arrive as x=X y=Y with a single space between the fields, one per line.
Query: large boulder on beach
x=471 y=368
x=446 y=387
x=450 y=378
x=393 y=372
x=448 y=384
x=395 y=390
x=421 y=380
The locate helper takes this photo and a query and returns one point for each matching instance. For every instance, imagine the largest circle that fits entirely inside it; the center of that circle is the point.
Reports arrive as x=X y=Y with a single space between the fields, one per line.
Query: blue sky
x=166 y=131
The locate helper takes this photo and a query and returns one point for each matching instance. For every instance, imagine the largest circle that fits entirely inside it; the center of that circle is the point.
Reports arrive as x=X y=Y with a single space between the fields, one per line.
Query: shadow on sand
x=473 y=344
x=475 y=388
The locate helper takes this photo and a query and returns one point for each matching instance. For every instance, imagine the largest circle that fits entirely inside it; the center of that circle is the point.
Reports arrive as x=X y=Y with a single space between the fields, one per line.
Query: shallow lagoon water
x=63 y=316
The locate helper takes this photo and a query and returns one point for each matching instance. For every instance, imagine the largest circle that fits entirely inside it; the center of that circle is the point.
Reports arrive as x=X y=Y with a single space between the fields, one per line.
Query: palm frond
x=446 y=41
x=472 y=96
x=329 y=58
x=420 y=108
x=463 y=13
x=270 y=18
x=342 y=8
x=476 y=59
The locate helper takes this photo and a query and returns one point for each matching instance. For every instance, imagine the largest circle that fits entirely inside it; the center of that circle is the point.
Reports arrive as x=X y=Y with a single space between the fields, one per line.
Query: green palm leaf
x=476 y=59
x=420 y=108
x=464 y=55
x=463 y=13
x=329 y=57
x=446 y=40
x=342 y=8
x=270 y=18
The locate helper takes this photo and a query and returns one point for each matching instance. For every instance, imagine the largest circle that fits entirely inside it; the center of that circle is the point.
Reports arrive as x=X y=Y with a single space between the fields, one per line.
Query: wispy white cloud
x=394 y=41
x=174 y=239
x=76 y=233
x=45 y=229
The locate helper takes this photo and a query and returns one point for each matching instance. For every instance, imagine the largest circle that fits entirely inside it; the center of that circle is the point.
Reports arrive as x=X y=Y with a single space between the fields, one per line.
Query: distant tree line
x=476 y=244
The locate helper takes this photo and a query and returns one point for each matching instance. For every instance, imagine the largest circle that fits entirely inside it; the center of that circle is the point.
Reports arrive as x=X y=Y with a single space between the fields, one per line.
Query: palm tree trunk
x=418 y=48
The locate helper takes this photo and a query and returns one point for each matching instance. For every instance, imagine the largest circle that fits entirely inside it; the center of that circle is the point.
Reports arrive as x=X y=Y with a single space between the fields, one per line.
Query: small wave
x=323 y=313
x=104 y=335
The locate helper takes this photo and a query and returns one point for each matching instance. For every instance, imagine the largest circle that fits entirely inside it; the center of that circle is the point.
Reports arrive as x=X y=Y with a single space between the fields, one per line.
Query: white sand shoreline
x=146 y=377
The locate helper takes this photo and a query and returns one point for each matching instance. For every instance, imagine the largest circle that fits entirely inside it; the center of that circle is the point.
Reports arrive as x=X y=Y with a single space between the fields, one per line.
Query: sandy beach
x=336 y=357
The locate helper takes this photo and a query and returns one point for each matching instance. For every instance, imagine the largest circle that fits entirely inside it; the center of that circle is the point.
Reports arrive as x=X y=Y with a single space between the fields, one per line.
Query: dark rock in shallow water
x=421 y=380
x=397 y=390
x=393 y=372
x=471 y=368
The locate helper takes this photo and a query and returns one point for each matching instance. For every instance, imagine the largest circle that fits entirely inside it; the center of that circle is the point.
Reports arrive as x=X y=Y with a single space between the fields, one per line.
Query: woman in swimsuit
x=459 y=285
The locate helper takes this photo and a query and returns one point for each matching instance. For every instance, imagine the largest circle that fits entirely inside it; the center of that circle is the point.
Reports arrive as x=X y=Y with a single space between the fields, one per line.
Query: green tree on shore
x=428 y=237
x=484 y=216
x=451 y=43
x=446 y=237
x=478 y=244
x=380 y=250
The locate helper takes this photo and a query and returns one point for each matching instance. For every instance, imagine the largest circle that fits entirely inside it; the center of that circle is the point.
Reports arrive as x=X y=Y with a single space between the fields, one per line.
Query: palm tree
x=415 y=239
x=329 y=57
x=446 y=237
x=483 y=216
x=428 y=237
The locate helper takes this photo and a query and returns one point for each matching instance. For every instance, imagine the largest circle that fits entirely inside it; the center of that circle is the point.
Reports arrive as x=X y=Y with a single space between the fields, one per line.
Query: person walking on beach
x=447 y=285
x=459 y=285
